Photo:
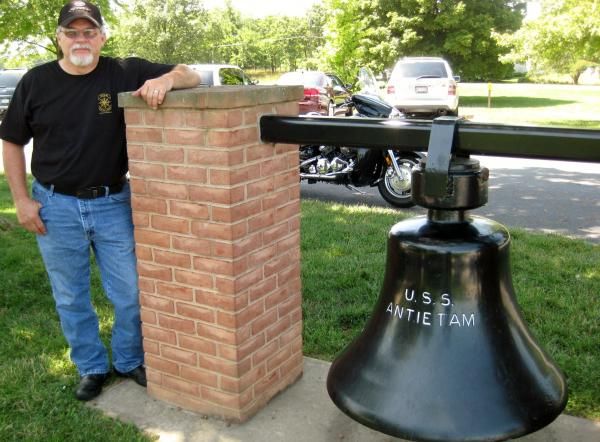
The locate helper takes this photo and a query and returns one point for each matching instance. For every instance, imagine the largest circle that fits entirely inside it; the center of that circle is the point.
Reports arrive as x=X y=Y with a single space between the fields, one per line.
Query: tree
x=564 y=39
x=166 y=31
x=30 y=26
x=378 y=32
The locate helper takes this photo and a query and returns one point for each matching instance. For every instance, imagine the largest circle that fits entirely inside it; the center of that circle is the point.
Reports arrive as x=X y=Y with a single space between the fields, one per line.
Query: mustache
x=81 y=46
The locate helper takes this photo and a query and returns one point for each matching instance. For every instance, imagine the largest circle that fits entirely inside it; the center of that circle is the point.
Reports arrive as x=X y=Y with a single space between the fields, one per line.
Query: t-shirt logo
x=104 y=103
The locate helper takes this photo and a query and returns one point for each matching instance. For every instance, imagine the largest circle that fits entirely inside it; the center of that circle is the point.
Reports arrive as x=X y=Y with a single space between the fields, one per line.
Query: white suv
x=423 y=85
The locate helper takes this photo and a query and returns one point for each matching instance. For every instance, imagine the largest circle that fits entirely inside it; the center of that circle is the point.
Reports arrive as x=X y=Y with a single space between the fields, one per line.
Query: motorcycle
x=390 y=170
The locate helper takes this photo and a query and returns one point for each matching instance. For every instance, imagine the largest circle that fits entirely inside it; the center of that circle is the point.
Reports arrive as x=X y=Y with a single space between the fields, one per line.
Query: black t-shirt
x=77 y=128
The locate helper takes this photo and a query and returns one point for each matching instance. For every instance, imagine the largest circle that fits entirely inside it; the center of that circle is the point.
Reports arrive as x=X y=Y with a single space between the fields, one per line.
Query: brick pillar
x=217 y=228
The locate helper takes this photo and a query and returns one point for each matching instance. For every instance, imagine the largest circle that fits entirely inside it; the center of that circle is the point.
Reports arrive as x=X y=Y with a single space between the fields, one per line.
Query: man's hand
x=153 y=91
x=28 y=214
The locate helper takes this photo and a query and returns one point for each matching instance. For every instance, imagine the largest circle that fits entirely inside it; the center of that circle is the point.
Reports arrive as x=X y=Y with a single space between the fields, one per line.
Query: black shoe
x=90 y=386
x=137 y=374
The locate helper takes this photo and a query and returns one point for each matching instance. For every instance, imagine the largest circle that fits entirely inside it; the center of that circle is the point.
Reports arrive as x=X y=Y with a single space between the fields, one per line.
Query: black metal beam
x=552 y=143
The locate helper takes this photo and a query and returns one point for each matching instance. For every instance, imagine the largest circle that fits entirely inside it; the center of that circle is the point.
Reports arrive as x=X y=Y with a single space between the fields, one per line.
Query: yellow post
x=489 y=94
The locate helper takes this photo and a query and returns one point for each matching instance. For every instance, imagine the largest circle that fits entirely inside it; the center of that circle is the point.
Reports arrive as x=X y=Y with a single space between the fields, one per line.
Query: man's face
x=81 y=43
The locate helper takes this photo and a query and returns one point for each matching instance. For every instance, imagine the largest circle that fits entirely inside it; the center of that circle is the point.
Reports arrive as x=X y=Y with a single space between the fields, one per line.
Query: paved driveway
x=551 y=196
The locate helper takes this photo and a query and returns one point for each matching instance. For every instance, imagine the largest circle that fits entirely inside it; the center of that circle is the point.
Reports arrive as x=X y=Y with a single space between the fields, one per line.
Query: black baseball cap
x=79 y=9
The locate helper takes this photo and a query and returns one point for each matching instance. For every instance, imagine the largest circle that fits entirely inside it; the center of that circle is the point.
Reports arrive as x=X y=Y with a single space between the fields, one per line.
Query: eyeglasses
x=72 y=34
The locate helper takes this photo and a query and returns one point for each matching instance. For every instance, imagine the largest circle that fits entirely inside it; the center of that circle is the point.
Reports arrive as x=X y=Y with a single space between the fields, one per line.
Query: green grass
x=532 y=104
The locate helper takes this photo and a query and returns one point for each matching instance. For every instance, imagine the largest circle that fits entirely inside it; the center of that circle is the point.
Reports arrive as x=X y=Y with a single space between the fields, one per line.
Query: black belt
x=89 y=192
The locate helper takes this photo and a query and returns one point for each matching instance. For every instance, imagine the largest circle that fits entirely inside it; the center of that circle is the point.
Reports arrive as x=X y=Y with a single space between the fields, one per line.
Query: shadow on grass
x=517 y=102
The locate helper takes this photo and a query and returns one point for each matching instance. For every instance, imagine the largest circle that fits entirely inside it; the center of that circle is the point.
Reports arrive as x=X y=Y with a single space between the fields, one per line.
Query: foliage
x=465 y=32
x=185 y=32
x=29 y=27
x=564 y=39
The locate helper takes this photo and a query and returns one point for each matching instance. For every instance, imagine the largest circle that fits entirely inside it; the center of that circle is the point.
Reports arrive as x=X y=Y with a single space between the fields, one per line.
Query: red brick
x=157 y=303
x=143 y=253
x=216 y=195
x=185 y=137
x=176 y=324
x=261 y=221
x=146 y=285
x=275 y=233
x=236 y=213
x=227 y=232
x=259 y=152
x=175 y=291
x=221 y=301
x=278 y=328
x=216 y=334
x=224 y=367
x=154 y=272
x=279 y=358
x=146 y=204
x=194 y=279
x=172 y=259
x=228 y=400
x=261 y=187
x=293 y=302
x=264 y=352
x=148 y=317
x=144 y=135
x=180 y=385
x=141 y=219
x=189 y=210
x=264 y=321
x=267 y=383
x=239 y=353
x=178 y=355
x=199 y=377
x=165 y=155
x=205 y=157
x=152 y=238
x=215 y=266
x=161 y=365
x=193 y=245
x=195 y=312
x=135 y=151
x=138 y=186
x=133 y=117
x=227 y=177
x=231 y=138
x=168 y=190
x=262 y=289
x=187 y=174
x=170 y=224
x=198 y=345
x=146 y=170
x=158 y=334
x=151 y=347
x=234 y=385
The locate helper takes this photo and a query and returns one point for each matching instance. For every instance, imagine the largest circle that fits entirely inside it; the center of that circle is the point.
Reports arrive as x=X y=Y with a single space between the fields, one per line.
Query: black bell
x=446 y=355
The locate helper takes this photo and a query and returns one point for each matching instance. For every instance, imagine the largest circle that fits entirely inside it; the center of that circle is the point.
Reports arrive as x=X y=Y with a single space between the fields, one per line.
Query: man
x=80 y=196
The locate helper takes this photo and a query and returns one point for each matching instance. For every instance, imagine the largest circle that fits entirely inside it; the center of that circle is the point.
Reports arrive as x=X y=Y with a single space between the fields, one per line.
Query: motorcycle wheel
x=395 y=189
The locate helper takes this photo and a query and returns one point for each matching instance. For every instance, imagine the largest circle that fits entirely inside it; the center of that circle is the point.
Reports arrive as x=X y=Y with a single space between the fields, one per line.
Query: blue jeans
x=104 y=225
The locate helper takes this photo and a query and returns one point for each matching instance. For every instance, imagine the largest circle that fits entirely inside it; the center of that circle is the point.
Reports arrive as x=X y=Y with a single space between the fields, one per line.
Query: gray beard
x=81 y=61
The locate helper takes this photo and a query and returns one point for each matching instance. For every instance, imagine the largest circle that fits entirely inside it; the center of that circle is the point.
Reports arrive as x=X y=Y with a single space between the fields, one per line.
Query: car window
x=232 y=76
x=420 y=69
x=10 y=79
x=206 y=78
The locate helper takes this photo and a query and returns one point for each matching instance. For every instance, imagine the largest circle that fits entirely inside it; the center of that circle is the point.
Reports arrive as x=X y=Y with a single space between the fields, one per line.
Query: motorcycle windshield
x=367 y=82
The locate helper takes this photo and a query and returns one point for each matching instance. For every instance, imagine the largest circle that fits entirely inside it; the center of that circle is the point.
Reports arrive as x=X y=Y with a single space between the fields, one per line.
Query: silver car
x=8 y=82
x=423 y=85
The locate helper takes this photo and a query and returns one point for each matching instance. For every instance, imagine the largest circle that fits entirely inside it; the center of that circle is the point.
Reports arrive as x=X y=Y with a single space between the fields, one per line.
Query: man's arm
x=180 y=77
x=28 y=210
